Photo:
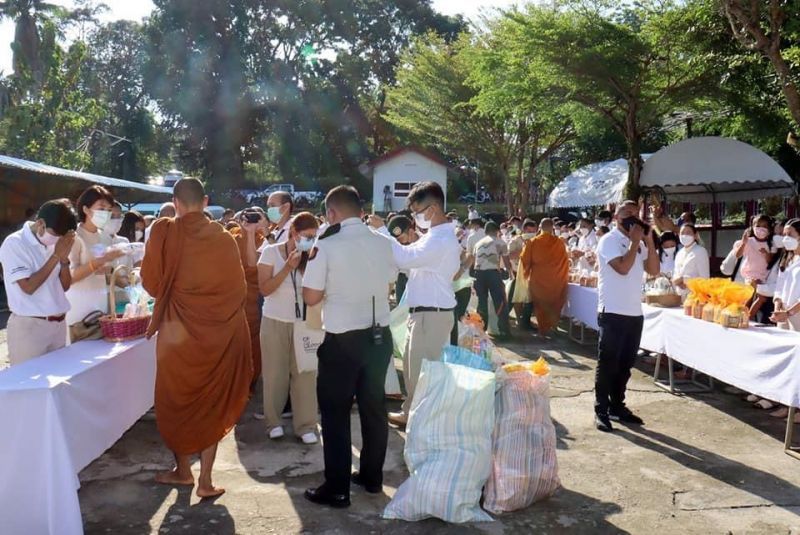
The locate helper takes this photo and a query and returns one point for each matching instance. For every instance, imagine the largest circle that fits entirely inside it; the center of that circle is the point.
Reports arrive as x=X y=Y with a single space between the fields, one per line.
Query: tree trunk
x=635 y=163
x=788 y=86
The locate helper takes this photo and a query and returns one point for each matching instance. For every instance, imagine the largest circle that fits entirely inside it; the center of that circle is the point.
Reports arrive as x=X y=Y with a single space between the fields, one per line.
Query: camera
x=251 y=216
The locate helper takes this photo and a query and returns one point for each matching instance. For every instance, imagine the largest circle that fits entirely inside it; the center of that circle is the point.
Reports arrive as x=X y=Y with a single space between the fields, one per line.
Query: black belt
x=414 y=310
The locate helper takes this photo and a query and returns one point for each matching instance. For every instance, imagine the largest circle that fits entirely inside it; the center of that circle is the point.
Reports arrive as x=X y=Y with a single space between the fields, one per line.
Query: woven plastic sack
x=524 y=465
x=448 y=448
x=465 y=357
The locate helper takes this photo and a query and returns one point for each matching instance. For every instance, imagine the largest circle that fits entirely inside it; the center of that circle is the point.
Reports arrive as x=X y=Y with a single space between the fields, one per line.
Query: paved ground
x=702 y=464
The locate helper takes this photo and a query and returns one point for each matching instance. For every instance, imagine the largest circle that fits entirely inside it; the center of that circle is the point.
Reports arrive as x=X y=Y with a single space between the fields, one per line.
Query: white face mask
x=304 y=244
x=138 y=235
x=687 y=240
x=100 y=218
x=599 y=223
x=761 y=233
x=47 y=239
x=422 y=223
x=113 y=226
x=789 y=243
x=778 y=241
x=669 y=251
x=528 y=235
x=585 y=231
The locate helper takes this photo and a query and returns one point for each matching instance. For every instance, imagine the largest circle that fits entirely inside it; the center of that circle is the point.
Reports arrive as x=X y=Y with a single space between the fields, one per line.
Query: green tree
x=28 y=16
x=630 y=67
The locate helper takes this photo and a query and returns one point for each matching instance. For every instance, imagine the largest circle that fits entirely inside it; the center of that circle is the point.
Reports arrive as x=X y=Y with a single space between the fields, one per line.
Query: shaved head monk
x=167 y=210
x=193 y=269
x=545 y=266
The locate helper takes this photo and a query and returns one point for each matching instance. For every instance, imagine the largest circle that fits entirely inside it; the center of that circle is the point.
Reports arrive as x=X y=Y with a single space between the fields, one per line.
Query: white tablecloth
x=761 y=360
x=582 y=307
x=58 y=413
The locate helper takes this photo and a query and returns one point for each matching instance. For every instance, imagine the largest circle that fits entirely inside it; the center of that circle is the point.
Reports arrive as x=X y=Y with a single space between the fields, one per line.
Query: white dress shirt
x=431 y=262
x=619 y=294
x=22 y=255
x=352 y=267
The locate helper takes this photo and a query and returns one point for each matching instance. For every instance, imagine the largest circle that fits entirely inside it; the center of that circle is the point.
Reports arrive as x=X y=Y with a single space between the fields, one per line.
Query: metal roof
x=25 y=165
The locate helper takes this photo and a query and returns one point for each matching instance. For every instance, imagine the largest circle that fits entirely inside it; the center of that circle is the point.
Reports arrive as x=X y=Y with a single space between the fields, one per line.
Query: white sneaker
x=258 y=415
x=277 y=432
x=309 y=438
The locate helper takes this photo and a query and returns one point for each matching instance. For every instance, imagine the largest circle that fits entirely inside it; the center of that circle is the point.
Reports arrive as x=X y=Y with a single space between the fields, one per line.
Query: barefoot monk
x=193 y=269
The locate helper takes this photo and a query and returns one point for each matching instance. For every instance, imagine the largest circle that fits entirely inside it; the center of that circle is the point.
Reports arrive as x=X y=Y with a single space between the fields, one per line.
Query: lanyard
x=293 y=273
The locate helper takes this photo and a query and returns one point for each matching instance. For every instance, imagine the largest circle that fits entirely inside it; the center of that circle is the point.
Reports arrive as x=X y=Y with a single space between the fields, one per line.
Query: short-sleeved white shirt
x=279 y=305
x=352 y=266
x=619 y=294
x=22 y=255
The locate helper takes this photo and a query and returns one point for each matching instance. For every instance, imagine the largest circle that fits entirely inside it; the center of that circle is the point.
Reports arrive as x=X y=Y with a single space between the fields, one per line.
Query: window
x=402 y=189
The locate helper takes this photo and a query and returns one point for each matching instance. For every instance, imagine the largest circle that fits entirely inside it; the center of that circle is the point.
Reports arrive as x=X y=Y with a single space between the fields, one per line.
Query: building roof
x=9 y=162
x=399 y=151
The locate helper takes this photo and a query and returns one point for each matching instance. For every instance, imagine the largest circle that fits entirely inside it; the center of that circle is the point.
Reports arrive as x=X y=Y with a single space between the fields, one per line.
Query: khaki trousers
x=428 y=333
x=30 y=337
x=281 y=378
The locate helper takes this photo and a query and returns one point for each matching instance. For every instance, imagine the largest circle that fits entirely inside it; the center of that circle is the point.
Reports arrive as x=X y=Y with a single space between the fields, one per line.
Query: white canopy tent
x=715 y=169
x=697 y=170
x=596 y=184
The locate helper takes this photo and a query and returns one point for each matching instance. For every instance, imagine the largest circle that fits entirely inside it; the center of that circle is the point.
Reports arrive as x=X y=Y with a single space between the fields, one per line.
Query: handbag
x=86 y=329
x=306 y=343
x=305 y=338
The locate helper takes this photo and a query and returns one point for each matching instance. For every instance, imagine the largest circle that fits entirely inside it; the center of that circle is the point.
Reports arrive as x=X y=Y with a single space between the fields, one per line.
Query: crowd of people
x=338 y=273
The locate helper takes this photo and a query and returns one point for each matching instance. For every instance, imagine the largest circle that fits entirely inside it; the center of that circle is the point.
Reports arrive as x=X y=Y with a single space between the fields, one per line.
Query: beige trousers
x=281 y=378
x=428 y=333
x=30 y=337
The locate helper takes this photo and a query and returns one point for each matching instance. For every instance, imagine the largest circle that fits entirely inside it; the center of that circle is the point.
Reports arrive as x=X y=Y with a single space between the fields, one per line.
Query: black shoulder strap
x=330 y=231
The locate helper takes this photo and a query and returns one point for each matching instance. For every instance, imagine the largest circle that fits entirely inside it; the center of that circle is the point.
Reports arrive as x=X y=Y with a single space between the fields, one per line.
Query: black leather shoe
x=625 y=416
x=321 y=496
x=602 y=423
x=372 y=489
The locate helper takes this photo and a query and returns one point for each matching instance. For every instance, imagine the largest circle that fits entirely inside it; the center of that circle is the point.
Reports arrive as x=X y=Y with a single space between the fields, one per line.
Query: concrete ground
x=704 y=464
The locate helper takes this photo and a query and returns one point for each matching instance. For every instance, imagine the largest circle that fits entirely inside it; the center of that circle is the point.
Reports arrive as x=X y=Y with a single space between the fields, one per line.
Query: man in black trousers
x=349 y=272
x=623 y=255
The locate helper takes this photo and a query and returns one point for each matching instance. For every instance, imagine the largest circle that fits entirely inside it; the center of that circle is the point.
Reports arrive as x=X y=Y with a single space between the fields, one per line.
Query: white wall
x=406 y=167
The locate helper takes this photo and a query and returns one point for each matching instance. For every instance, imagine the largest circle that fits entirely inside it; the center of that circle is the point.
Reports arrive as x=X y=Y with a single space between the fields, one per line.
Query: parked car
x=469 y=198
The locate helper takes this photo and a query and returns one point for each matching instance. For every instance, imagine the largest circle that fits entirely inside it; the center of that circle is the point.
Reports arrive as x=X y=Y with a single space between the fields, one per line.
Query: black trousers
x=462 y=302
x=400 y=286
x=490 y=282
x=350 y=364
x=620 y=337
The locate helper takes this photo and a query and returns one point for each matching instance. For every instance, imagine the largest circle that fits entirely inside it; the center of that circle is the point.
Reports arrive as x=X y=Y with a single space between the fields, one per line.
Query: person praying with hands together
x=36 y=275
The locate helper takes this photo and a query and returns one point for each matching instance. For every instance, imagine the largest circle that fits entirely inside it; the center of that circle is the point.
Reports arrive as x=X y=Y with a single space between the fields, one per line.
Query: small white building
x=396 y=172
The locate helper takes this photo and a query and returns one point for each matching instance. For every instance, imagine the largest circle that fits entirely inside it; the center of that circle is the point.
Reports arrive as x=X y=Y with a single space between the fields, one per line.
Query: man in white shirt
x=432 y=262
x=623 y=256
x=349 y=272
x=490 y=255
x=476 y=234
x=36 y=275
x=472 y=213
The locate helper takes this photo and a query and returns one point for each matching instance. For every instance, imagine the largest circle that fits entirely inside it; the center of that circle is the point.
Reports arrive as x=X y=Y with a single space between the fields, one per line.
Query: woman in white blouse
x=691 y=262
x=787 y=287
x=667 y=251
x=280 y=278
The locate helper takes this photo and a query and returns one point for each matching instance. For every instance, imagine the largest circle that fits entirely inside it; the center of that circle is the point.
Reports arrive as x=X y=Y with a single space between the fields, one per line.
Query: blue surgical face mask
x=274 y=214
x=304 y=244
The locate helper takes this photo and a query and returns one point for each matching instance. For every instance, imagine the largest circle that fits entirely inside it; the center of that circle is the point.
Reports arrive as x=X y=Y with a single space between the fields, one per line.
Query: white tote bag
x=306 y=343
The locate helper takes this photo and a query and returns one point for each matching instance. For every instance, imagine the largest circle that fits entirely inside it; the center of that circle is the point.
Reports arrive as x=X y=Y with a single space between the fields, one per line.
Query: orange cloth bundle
x=720 y=301
x=539 y=367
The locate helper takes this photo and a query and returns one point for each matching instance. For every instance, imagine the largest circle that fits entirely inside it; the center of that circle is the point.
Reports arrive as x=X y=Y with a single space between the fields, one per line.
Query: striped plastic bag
x=448 y=448
x=524 y=465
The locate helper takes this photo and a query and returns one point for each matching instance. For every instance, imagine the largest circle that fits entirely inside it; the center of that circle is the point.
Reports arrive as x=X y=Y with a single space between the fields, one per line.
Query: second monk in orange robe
x=193 y=269
x=545 y=265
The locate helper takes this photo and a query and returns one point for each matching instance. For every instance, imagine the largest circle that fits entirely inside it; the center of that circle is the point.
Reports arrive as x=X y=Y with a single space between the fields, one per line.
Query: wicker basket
x=665 y=301
x=116 y=328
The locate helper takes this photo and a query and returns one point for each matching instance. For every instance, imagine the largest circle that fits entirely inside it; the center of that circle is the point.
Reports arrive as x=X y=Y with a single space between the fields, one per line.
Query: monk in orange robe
x=204 y=367
x=545 y=265
x=250 y=237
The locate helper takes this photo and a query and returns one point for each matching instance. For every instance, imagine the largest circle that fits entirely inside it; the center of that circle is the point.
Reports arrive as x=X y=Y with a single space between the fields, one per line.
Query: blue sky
x=137 y=9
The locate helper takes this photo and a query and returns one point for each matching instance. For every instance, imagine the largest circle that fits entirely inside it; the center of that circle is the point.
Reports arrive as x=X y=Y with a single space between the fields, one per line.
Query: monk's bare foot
x=173 y=478
x=209 y=491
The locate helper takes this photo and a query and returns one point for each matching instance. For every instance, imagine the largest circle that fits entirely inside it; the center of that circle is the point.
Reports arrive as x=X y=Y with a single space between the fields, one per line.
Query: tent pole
x=715 y=223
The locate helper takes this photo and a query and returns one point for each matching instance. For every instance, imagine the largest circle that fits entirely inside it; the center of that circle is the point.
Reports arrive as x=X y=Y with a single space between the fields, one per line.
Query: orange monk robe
x=545 y=265
x=204 y=368
x=251 y=307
